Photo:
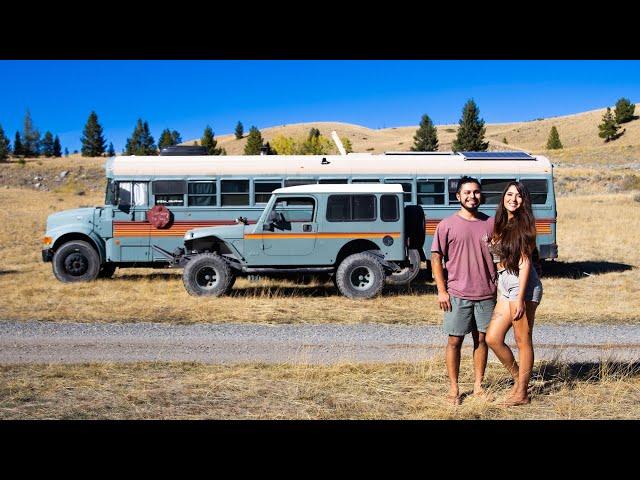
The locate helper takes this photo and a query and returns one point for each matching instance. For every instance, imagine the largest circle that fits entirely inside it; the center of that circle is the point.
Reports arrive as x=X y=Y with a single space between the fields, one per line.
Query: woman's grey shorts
x=509 y=286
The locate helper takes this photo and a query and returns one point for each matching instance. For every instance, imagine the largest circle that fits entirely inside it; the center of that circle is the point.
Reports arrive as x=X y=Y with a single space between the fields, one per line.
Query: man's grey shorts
x=467 y=315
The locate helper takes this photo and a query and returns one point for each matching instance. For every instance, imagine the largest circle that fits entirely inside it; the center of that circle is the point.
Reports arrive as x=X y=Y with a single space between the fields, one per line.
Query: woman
x=513 y=245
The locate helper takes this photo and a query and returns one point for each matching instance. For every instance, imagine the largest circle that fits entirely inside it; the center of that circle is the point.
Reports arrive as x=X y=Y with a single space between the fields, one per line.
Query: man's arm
x=438 y=274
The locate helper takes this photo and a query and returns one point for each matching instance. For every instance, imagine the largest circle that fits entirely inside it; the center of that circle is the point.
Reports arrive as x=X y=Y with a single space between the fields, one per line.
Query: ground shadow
x=131 y=277
x=8 y=272
x=585 y=269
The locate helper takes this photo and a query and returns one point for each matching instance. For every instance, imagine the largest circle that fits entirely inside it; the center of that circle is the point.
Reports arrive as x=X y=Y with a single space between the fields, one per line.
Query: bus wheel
x=360 y=276
x=407 y=274
x=207 y=275
x=76 y=261
x=107 y=270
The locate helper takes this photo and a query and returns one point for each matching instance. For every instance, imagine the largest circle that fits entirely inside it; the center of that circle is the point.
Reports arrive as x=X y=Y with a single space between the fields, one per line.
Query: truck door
x=294 y=227
x=130 y=226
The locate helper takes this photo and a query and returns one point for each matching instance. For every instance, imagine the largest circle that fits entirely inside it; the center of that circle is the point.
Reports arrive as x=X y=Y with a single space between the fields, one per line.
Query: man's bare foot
x=480 y=392
x=454 y=399
x=514 y=389
x=513 y=401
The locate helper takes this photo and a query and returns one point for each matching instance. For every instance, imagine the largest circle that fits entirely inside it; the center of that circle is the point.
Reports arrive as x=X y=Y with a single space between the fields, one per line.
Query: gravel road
x=47 y=342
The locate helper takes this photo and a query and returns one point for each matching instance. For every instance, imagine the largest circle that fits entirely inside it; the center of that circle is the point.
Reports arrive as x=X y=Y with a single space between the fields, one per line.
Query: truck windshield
x=110 y=194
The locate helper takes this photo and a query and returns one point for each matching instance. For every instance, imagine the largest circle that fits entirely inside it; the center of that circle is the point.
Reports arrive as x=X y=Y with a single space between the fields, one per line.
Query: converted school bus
x=201 y=190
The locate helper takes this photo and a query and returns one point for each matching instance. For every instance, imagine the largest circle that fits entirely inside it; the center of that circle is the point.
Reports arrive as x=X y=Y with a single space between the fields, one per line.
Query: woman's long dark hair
x=517 y=236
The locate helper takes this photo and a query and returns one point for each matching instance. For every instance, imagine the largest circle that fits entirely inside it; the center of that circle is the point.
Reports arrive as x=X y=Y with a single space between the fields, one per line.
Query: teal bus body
x=214 y=191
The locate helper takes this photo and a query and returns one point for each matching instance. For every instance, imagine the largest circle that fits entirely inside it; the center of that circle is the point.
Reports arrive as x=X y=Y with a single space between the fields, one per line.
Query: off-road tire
x=107 y=270
x=408 y=274
x=76 y=261
x=207 y=274
x=359 y=276
x=414 y=226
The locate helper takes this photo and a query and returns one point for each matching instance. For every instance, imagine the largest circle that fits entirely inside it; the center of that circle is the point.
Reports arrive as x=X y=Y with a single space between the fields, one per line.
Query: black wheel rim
x=207 y=278
x=76 y=264
x=361 y=278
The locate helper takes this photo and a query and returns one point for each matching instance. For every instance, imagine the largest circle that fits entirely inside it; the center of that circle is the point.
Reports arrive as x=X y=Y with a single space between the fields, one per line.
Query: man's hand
x=444 y=301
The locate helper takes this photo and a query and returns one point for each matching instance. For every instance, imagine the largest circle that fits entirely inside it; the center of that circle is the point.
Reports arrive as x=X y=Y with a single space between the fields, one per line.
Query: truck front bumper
x=47 y=254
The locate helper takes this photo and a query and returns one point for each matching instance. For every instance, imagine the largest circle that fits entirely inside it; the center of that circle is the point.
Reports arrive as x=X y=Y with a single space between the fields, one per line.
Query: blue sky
x=188 y=95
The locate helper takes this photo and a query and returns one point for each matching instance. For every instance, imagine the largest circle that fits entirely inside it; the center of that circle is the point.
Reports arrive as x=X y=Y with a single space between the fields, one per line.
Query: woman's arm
x=523 y=278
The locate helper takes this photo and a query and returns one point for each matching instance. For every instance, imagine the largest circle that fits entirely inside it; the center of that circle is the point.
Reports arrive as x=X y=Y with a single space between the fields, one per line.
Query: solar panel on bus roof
x=497 y=156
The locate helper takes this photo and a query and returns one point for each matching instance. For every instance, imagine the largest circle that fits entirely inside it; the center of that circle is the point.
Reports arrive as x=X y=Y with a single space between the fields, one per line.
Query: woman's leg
x=522 y=331
x=496 y=333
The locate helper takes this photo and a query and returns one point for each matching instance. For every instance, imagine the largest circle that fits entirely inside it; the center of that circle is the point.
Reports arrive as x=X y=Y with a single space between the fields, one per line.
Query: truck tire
x=107 y=270
x=207 y=275
x=408 y=274
x=360 y=276
x=414 y=226
x=76 y=261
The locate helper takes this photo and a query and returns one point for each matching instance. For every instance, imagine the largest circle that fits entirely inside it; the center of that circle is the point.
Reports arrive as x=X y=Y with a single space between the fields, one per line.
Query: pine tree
x=18 y=150
x=609 y=128
x=47 y=144
x=553 y=142
x=254 y=142
x=471 y=131
x=209 y=142
x=93 y=142
x=57 y=148
x=426 y=137
x=166 y=139
x=314 y=133
x=66 y=152
x=141 y=141
x=176 y=137
x=624 y=110
x=239 y=130
x=30 y=138
x=346 y=143
x=111 y=152
x=4 y=146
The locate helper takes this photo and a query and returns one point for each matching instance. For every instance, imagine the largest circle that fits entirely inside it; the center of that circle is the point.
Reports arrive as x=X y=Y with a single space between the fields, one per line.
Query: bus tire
x=76 y=261
x=407 y=274
x=360 y=276
x=107 y=270
x=414 y=226
x=207 y=274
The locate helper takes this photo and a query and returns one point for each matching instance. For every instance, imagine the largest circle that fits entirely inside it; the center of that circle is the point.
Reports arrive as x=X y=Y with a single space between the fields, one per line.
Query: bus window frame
x=248 y=193
x=445 y=193
x=252 y=187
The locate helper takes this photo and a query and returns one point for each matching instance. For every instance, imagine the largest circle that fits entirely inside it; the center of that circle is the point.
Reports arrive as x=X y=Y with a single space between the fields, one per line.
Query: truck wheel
x=414 y=226
x=407 y=274
x=360 y=276
x=76 y=261
x=107 y=270
x=207 y=275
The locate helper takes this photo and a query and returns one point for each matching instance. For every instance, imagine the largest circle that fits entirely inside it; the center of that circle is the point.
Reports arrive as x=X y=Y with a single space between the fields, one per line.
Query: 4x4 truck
x=360 y=234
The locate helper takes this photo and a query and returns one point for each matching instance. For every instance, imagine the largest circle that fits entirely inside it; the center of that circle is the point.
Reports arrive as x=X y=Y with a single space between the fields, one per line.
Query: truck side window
x=295 y=209
x=351 y=208
x=389 y=208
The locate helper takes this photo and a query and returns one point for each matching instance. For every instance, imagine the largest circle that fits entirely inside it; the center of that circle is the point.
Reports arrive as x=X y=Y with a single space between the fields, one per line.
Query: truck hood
x=227 y=232
x=66 y=217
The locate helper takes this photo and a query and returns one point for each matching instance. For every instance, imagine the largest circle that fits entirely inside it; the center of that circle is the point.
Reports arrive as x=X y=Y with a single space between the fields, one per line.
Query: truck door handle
x=307 y=228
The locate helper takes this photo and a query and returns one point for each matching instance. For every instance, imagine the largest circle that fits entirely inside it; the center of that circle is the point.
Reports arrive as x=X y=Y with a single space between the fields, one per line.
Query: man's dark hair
x=465 y=179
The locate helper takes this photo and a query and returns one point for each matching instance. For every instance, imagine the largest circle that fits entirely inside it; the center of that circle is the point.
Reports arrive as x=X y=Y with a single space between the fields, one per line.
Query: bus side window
x=169 y=193
x=431 y=192
x=492 y=189
x=202 y=194
x=132 y=193
x=538 y=188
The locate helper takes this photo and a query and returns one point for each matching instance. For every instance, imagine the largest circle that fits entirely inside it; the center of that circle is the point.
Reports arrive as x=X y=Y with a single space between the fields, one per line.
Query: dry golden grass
x=347 y=391
x=595 y=234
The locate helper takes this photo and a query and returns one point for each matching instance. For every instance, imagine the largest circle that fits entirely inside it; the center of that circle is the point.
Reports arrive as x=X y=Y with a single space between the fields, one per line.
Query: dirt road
x=45 y=342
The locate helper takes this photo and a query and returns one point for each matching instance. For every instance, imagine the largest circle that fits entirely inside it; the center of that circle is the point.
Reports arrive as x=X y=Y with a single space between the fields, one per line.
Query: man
x=468 y=293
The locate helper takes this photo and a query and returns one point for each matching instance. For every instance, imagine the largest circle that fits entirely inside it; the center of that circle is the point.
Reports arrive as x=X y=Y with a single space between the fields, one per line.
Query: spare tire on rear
x=414 y=226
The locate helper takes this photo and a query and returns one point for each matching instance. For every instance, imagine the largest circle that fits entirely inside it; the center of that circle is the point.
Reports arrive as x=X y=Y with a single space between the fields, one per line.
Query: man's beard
x=471 y=209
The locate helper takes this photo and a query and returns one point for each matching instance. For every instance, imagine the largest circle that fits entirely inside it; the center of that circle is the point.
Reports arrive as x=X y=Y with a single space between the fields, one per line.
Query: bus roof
x=343 y=188
x=320 y=165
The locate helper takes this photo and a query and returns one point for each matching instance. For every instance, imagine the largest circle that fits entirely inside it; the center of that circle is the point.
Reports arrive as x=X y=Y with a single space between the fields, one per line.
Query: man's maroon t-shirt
x=464 y=244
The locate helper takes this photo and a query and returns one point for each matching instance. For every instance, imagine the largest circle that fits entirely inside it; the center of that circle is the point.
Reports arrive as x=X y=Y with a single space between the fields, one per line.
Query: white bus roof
x=343 y=188
x=354 y=164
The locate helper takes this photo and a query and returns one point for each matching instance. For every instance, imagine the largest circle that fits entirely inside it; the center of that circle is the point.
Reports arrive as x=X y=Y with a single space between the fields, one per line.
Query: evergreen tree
x=57 y=148
x=141 y=141
x=553 y=142
x=254 y=142
x=209 y=142
x=471 y=131
x=18 y=150
x=624 y=110
x=239 y=130
x=166 y=139
x=270 y=149
x=609 y=128
x=426 y=137
x=47 y=144
x=314 y=133
x=4 y=146
x=111 y=152
x=66 y=152
x=30 y=138
x=93 y=142
x=177 y=138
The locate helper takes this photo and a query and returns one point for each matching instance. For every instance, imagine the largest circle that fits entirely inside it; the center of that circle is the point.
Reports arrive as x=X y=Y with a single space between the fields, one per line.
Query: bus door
x=294 y=227
x=130 y=226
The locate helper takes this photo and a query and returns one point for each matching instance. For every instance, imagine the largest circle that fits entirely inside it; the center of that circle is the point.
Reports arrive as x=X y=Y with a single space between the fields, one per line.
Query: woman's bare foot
x=454 y=397
x=480 y=392
x=514 y=400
